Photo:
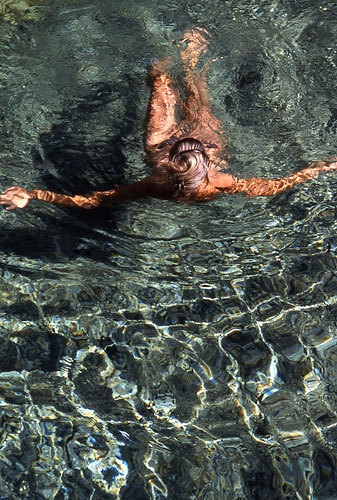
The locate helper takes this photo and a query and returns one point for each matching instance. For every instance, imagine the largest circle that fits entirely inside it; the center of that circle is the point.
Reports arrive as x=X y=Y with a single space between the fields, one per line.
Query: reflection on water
x=159 y=350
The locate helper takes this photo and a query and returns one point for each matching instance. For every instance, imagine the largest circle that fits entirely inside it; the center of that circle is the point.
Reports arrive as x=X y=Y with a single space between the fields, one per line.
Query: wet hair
x=190 y=163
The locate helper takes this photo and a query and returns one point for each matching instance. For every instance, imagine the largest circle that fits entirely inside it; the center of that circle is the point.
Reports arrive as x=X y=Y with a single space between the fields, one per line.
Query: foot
x=197 y=40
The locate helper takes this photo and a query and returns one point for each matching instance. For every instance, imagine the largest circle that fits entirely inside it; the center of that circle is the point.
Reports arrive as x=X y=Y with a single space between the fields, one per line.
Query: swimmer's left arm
x=257 y=186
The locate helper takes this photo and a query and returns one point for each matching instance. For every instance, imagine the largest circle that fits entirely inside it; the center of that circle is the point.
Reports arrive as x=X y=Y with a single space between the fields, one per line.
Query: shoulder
x=221 y=181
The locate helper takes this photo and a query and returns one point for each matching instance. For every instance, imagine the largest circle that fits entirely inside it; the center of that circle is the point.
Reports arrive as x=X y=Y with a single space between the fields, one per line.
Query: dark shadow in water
x=75 y=162
x=64 y=239
x=80 y=159
x=83 y=160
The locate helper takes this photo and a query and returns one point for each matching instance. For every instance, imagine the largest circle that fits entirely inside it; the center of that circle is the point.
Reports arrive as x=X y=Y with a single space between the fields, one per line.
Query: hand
x=332 y=163
x=15 y=197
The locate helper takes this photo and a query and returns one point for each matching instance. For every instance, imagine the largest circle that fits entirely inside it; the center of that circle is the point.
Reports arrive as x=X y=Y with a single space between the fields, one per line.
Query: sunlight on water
x=159 y=350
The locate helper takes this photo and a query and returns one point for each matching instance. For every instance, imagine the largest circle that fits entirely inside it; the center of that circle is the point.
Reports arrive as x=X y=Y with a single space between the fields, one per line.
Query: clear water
x=159 y=350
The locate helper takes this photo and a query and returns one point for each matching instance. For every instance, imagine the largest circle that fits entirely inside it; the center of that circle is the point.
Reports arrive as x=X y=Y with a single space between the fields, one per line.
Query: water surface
x=158 y=350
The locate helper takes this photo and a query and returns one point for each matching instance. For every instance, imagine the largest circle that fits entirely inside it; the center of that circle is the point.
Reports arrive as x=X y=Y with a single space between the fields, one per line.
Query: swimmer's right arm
x=18 y=197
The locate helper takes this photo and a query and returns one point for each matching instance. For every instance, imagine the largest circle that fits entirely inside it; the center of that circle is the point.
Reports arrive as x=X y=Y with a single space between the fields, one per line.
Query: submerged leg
x=161 y=121
x=197 y=114
x=195 y=84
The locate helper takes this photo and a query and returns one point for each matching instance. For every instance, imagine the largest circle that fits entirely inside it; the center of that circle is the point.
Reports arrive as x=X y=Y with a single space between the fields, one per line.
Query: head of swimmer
x=189 y=164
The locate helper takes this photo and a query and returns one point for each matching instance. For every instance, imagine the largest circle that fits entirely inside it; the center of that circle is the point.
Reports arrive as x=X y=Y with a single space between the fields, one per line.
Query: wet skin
x=162 y=131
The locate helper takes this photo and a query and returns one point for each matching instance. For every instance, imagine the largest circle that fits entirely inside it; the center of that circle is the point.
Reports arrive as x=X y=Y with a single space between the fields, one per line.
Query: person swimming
x=186 y=157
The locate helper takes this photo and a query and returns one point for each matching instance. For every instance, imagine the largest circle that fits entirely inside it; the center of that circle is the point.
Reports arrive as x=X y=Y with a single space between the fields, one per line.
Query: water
x=158 y=350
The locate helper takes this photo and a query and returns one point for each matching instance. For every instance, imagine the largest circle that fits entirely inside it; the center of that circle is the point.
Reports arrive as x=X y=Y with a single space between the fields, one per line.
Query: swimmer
x=186 y=156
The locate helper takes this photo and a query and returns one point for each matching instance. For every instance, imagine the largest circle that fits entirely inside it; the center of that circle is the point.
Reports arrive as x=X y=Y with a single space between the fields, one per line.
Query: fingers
x=324 y=166
x=13 y=190
x=328 y=165
x=330 y=162
x=11 y=207
x=6 y=201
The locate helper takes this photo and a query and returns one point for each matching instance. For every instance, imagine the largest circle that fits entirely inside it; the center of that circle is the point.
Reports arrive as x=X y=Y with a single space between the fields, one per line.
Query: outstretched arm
x=256 y=186
x=18 y=197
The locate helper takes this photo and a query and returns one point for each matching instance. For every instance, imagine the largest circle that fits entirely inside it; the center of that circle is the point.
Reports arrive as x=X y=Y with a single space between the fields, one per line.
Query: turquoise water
x=158 y=350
